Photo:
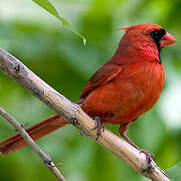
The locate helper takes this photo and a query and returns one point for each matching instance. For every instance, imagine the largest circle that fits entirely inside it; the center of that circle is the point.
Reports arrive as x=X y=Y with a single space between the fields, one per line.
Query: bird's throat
x=159 y=50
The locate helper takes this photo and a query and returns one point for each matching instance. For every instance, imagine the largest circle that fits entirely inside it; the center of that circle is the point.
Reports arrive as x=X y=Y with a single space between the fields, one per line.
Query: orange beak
x=167 y=39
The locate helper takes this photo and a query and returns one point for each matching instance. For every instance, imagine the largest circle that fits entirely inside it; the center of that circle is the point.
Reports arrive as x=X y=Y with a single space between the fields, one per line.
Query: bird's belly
x=128 y=96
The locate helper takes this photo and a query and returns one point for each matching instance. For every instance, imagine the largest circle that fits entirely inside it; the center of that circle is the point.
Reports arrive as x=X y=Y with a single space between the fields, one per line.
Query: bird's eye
x=157 y=35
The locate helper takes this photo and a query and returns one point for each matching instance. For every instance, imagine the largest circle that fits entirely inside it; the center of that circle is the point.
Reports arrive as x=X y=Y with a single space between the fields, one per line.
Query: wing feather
x=103 y=76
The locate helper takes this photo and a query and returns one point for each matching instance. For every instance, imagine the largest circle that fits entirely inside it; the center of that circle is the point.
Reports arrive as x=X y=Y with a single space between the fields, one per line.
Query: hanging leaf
x=45 y=4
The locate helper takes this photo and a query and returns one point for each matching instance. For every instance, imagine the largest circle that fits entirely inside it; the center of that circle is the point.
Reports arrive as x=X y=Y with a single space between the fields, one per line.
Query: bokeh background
x=60 y=58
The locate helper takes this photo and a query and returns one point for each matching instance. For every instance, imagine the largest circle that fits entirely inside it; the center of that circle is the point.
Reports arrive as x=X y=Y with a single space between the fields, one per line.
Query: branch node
x=57 y=165
x=48 y=163
x=73 y=120
x=23 y=126
x=17 y=68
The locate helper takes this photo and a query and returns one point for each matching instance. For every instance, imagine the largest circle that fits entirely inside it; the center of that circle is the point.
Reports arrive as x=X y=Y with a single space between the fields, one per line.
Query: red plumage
x=123 y=89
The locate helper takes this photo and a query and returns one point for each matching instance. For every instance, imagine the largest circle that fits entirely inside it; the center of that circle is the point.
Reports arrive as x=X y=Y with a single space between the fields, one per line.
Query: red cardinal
x=123 y=89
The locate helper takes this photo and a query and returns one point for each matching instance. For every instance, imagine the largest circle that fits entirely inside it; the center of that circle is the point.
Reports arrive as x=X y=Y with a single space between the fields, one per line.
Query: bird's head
x=149 y=33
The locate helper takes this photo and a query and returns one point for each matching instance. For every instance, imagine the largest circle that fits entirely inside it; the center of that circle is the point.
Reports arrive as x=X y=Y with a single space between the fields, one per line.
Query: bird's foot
x=99 y=126
x=148 y=155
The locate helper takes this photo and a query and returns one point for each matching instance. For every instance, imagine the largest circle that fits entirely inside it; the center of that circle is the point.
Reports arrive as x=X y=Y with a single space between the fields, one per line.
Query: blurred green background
x=59 y=57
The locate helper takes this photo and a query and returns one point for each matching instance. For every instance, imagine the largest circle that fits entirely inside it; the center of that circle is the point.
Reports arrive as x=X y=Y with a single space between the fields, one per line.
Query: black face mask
x=157 y=36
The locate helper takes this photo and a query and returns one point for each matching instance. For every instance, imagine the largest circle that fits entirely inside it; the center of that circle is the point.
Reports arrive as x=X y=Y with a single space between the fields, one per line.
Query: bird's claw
x=148 y=155
x=99 y=126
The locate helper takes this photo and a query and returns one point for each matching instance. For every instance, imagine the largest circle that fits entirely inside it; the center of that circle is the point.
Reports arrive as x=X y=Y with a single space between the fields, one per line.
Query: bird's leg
x=149 y=156
x=122 y=130
x=99 y=126
x=129 y=141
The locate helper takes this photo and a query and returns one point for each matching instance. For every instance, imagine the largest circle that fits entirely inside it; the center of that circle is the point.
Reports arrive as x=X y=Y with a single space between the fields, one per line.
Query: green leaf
x=45 y=4
x=174 y=172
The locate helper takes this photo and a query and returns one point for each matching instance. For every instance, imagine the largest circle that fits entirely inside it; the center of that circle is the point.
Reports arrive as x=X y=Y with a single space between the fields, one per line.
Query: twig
x=74 y=114
x=46 y=159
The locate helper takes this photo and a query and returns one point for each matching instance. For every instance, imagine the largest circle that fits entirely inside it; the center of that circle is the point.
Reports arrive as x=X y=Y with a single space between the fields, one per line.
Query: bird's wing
x=103 y=76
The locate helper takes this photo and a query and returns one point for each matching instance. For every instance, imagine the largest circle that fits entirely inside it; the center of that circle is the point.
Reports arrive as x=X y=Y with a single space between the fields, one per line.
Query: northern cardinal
x=123 y=89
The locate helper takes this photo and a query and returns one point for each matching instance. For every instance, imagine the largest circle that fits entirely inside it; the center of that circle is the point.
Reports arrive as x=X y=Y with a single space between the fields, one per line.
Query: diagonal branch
x=46 y=159
x=75 y=115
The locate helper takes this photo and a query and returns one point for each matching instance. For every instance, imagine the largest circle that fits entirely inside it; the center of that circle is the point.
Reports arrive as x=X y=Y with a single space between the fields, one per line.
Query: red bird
x=123 y=89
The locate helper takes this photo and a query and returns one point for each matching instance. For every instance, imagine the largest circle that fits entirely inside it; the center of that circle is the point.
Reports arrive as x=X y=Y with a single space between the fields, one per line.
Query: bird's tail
x=43 y=128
